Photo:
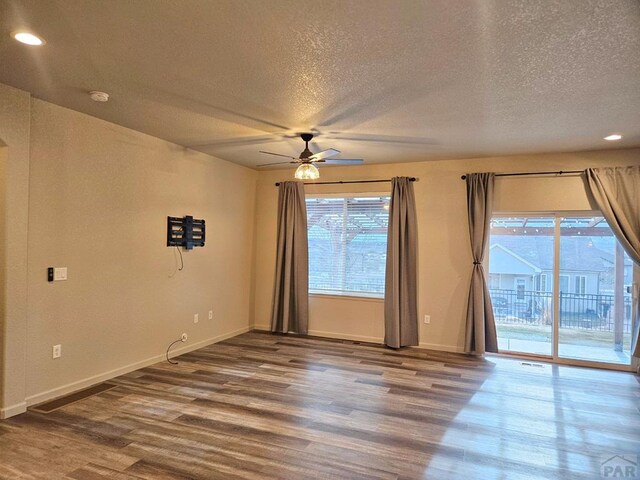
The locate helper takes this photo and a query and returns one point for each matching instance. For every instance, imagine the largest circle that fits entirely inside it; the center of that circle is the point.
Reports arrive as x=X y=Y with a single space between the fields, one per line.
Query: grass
x=572 y=336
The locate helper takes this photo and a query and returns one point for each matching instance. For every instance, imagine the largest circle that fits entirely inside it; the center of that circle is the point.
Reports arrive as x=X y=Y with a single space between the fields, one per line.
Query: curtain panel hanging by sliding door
x=290 y=309
x=481 y=333
x=400 y=295
x=616 y=191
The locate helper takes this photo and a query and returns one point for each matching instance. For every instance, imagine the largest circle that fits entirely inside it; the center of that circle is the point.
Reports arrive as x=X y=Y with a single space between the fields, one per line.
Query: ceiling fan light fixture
x=307 y=171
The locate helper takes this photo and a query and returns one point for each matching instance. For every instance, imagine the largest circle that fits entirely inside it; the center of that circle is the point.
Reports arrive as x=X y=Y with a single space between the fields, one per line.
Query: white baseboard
x=441 y=348
x=13 y=410
x=362 y=338
x=337 y=335
x=88 y=382
x=345 y=336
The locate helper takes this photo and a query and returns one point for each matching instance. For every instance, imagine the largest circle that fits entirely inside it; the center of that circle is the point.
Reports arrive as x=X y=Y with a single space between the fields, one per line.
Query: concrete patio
x=566 y=350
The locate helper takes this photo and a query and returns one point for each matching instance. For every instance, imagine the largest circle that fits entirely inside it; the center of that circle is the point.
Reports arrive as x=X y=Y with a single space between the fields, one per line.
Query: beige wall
x=4 y=158
x=444 y=257
x=98 y=203
x=14 y=177
x=98 y=196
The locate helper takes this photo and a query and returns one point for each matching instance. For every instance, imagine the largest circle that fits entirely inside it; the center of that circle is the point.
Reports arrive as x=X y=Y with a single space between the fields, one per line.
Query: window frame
x=346 y=294
x=544 y=283
x=580 y=283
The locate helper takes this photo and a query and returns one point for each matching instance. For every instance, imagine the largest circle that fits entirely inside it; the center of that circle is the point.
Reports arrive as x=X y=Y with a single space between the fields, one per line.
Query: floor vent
x=528 y=364
x=53 y=405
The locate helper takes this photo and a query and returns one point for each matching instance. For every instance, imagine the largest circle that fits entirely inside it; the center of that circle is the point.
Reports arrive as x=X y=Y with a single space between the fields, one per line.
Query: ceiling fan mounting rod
x=304 y=156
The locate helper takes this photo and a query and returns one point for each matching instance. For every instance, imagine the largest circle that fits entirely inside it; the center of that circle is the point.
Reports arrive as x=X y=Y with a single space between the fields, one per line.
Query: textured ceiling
x=387 y=81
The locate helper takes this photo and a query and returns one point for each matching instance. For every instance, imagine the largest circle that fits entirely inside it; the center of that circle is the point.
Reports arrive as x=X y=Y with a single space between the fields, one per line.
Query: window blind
x=347 y=244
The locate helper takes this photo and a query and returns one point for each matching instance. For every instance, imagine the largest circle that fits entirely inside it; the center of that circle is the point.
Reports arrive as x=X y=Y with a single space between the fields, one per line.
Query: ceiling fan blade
x=342 y=161
x=231 y=142
x=276 y=163
x=278 y=155
x=324 y=154
x=361 y=137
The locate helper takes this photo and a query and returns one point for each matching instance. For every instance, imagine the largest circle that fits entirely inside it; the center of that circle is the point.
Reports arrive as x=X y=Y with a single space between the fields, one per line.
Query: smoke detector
x=99 y=96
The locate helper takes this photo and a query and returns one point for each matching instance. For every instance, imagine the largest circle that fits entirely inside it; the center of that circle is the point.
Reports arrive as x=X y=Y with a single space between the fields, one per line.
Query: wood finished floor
x=261 y=406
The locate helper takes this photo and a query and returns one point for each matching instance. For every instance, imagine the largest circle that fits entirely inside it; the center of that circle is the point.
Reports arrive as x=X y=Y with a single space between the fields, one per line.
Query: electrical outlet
x=210 y=314
x=196 y=318
x=427 y=319
x=184 y=337
x=57 y=351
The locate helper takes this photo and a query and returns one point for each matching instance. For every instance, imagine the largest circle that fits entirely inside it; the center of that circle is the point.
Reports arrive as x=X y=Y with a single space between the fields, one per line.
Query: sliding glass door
x=595 y=304
x=560 y=287
x=520 y=281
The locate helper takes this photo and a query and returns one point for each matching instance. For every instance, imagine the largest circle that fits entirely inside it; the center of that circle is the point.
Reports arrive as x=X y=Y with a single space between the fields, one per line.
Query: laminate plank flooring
x=263 y=406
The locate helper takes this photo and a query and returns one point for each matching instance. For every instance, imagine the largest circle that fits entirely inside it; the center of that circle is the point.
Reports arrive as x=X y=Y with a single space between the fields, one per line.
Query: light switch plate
x=59 y=273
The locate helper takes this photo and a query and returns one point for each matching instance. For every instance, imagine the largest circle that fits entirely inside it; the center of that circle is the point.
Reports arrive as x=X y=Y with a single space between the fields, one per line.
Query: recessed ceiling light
x=613 y=137
x=28 y=38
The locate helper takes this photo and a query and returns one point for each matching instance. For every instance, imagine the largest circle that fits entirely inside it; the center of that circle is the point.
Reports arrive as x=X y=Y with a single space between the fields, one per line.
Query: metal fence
x=587 y=311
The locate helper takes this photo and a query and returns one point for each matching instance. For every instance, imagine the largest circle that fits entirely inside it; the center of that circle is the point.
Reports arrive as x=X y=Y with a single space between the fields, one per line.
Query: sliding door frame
x=554 y=357
x=556 y=286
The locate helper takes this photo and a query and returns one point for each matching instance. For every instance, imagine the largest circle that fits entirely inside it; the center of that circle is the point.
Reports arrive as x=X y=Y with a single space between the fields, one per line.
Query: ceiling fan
x=307 y=160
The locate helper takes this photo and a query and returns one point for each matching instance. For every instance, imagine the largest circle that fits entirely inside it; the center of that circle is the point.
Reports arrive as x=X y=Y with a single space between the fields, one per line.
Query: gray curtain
x=481 y=334
x=400 y=293
x=290 y=310
x=616 y=191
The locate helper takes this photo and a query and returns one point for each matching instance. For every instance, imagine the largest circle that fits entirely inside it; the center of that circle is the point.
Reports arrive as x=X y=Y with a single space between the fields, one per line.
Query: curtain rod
x=411 y=179
x=522 y=174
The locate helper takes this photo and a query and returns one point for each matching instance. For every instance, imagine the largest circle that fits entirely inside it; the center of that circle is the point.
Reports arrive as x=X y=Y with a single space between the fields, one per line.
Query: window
x=564 y=283
x=581 y=285
x=520 y=288
x=347 y=244
x=542 y=282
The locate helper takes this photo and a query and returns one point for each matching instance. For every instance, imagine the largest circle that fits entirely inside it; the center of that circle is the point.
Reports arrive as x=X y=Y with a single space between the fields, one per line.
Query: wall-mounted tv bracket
x=186 y=232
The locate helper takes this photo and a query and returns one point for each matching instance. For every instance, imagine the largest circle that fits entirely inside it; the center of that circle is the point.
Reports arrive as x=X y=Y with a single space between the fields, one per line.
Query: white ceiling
x=384 y=80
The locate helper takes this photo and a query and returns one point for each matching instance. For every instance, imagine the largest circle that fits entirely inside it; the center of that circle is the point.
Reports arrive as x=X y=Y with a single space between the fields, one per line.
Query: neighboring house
x=510 y=271
x=522 y=266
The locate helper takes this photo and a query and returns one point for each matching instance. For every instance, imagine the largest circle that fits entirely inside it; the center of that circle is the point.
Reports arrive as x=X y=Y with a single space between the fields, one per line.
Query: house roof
x=513 y=255
x=578 y=253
